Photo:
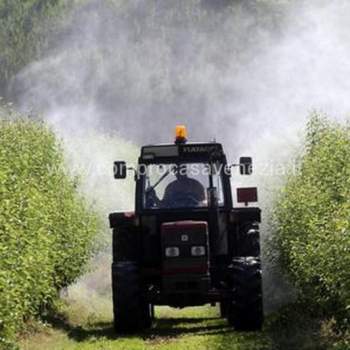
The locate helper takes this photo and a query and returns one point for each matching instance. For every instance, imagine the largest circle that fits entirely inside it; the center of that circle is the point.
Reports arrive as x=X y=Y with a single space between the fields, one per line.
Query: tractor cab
x=183 y=175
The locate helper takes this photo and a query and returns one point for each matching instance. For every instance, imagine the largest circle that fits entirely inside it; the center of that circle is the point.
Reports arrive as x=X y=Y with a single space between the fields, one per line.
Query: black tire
x=246 y=308
x=131 y=311
x=249 y=240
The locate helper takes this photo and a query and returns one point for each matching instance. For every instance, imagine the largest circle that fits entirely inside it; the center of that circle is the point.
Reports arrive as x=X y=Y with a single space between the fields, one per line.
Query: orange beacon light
x=180 y=134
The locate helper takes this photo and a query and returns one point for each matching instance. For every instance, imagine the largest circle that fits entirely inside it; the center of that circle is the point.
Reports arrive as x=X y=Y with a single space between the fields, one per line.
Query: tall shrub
x=46 y=227
x=313 y=219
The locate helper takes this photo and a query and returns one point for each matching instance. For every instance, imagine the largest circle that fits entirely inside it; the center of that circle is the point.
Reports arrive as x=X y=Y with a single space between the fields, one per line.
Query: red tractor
x=185 y=244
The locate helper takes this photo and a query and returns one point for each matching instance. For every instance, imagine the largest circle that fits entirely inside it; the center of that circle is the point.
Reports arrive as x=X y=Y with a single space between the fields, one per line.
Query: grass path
x=86 y=324
x=189 y=329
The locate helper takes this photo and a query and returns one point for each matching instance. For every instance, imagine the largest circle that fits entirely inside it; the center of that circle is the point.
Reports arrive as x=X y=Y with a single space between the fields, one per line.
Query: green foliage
x=25 y=30
x=46 y=227
x=313 y=219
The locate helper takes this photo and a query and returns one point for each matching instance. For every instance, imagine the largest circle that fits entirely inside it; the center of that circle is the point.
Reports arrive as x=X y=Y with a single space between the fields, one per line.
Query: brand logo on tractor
x=200 y=149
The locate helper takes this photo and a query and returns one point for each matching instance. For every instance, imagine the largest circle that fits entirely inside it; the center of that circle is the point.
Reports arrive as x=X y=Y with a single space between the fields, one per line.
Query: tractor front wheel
x=245 y=311
x=130 y=308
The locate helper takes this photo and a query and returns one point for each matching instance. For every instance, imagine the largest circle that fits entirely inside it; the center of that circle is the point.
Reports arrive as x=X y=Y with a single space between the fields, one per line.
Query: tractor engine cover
x=185 y=255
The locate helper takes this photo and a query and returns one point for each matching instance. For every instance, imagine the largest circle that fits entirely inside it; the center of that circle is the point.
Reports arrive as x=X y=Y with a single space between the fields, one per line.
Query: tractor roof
x=190 y=152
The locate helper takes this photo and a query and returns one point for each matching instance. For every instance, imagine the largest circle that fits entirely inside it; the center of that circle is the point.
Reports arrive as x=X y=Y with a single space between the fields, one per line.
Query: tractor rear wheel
x=130 y=308
x=245 y=311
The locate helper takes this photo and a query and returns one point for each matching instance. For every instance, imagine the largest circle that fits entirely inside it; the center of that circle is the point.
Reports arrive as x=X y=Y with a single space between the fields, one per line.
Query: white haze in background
x=247 y=77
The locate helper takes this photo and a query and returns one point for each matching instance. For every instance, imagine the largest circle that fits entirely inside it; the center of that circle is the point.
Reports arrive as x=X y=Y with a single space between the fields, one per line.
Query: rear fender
x=241 y=215
x=241 y=219
x=119 y=219
x=126 y=238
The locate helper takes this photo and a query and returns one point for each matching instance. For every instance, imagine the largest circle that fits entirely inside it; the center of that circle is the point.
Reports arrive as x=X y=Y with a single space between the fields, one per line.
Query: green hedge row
x=46 y=228
x=313 y=219
x=26 y=27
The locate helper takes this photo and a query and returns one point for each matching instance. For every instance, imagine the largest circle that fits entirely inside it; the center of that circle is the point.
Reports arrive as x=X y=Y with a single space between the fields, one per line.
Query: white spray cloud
x=245 y=71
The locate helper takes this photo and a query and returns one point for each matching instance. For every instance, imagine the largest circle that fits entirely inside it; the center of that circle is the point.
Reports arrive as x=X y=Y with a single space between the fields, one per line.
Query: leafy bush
x=313 y=219
x=25 y=30
x=46 y=227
